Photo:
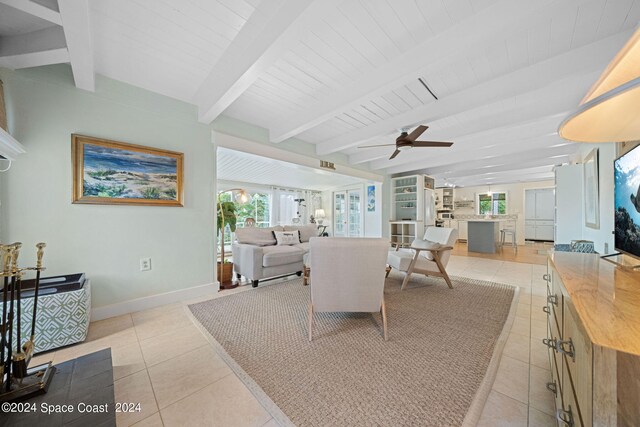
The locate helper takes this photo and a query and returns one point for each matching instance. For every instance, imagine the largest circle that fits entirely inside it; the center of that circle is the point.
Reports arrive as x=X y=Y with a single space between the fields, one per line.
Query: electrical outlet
x=145 y=264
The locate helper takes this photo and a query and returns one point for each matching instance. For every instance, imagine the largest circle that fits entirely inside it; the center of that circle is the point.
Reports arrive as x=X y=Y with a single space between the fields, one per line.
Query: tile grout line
x=196 y=391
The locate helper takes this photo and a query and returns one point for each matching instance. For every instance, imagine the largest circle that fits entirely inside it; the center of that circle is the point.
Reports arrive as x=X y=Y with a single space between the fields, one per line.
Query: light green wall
x=107 y=242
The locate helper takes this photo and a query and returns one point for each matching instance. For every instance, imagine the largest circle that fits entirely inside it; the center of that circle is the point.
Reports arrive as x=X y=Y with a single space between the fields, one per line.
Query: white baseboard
x=145 y=303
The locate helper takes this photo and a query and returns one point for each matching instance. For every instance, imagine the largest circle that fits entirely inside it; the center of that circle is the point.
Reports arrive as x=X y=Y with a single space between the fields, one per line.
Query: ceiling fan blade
x=432 y=144
x=395 y=153
x=416 y=132
x=370 y=146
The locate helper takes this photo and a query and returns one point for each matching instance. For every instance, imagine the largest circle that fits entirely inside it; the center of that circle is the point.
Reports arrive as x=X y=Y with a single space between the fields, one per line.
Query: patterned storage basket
x=62 y=318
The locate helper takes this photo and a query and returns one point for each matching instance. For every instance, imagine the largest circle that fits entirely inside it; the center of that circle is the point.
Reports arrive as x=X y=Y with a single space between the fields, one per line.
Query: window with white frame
x=492 y=203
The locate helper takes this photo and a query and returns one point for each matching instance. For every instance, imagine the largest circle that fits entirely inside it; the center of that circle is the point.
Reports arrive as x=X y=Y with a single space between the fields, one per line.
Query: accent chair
x=348 y=275
x=428 y=256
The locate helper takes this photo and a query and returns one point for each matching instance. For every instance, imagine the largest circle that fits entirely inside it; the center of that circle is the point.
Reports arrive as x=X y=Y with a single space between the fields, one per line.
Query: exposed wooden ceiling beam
x=35 y=59
x=506 y=162
x=458 y=41
x=527 y=175
x=35 y=9
x=77 y=30
x=511 y=127
x=260 y=42
x=577 y=62
x=42 y=47
x=560 y=96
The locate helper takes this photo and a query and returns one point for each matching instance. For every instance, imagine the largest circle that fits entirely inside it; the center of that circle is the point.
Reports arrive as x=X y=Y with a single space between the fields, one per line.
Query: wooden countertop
x=606 y=297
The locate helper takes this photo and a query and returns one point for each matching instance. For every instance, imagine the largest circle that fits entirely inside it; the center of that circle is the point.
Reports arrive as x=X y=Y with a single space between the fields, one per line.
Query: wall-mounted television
x=627 y=202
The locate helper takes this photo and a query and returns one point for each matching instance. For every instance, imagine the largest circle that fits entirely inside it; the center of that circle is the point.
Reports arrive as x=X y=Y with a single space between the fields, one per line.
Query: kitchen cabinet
x=539 y=214
x=463 y=227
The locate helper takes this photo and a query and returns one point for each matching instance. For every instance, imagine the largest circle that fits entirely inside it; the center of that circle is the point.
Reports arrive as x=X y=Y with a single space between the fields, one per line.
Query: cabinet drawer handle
x=553 y=299
x=546 y=309
x=550 y=342
x=553 y=388
x=565 y=417
x=546 y=277
x=570 y=351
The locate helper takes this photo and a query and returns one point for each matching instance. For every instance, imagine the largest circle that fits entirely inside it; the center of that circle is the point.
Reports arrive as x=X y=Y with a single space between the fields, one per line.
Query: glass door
x=354 y=213
x=340 y=214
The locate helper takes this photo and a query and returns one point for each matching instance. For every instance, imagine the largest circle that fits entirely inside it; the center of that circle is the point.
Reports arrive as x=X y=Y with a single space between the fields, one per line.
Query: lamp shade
x=320 y=213
x=609 y=112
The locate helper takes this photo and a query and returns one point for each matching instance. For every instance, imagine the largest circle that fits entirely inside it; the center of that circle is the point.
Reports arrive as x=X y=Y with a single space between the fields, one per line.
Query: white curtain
x=284 y=207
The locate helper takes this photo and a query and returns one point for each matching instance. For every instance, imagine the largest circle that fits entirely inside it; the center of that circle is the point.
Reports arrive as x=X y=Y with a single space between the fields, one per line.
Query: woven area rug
x=435 y=370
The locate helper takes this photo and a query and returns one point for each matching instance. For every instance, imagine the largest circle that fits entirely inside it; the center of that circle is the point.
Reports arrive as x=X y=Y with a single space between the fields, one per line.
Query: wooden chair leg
x=409 y=272
x=388 y=270
x=436 y=258
x=310 y=320
x=383 y=311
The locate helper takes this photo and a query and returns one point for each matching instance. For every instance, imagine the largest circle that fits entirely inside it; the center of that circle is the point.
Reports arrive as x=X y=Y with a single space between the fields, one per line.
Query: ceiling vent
x=427 y=88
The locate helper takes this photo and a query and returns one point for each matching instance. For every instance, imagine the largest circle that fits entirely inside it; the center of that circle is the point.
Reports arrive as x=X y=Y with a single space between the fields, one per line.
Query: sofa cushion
x=304 y=247
x=257 y=236
x=280 y=255
x=306 y=231
x=287 y=237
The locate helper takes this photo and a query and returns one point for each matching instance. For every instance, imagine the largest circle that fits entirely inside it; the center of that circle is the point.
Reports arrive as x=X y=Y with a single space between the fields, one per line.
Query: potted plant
x=226 y=216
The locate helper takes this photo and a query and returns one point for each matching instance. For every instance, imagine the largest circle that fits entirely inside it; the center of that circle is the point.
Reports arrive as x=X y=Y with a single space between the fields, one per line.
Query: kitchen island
x=483 y=235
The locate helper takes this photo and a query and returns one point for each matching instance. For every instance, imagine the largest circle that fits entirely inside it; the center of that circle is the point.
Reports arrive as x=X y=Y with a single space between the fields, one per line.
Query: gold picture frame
x=109 y=172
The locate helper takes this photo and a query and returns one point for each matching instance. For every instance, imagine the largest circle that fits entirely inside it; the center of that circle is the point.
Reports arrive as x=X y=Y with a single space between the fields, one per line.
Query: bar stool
x=512 y=233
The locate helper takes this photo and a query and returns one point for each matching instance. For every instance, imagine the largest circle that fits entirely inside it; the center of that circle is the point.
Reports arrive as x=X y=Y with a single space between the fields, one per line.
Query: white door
x=355 y=213
x=340 y=214
x=530 y=231
x=545 y=204
x=544 y=232
x=347 y=213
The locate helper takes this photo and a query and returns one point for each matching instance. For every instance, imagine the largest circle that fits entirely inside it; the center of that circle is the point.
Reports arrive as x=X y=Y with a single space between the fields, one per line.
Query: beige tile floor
x=162 y=361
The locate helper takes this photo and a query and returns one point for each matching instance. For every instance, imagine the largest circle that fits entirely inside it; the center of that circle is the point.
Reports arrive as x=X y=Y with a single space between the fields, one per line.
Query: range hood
x=609 y=112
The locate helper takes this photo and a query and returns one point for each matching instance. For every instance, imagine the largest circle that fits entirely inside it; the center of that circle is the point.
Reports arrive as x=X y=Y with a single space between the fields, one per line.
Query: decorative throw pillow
x=287 y=237
x=306 y=231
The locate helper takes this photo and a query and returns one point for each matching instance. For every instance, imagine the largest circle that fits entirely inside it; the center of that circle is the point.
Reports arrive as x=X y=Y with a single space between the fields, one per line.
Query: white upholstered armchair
x=347 y=275
x=428 y=256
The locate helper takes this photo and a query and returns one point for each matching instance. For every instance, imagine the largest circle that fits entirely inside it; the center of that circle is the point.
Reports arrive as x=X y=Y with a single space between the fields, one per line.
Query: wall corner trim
x=152 y=301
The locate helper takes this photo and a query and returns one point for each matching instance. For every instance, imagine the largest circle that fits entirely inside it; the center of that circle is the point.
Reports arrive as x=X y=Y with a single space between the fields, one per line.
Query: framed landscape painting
x=110 y=172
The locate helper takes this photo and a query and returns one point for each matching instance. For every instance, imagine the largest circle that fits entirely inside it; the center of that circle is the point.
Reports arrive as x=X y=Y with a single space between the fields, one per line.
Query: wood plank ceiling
x=343 y=73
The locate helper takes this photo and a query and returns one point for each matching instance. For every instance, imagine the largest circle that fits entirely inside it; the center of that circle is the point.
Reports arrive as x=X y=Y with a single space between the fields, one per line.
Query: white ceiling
x=245 y=167
x=340 y=74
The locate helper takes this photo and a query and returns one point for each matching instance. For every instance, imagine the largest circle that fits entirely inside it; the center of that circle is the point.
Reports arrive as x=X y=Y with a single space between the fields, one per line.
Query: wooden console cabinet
x=593 y=338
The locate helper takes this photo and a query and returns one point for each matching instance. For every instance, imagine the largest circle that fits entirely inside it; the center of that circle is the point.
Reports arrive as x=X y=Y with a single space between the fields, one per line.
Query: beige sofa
x=256 y=255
